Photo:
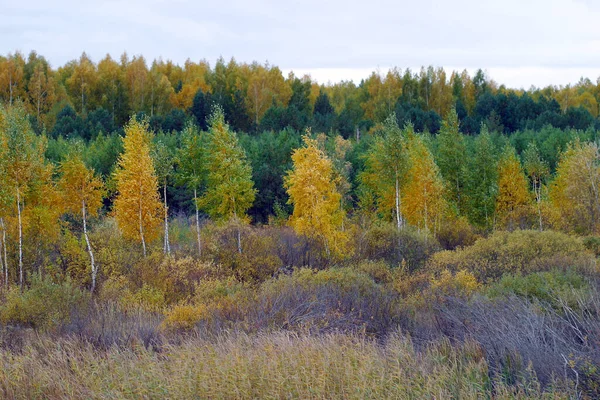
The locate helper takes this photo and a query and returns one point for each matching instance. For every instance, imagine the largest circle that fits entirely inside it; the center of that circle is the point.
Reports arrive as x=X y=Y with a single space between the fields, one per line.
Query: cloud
x=513 y=35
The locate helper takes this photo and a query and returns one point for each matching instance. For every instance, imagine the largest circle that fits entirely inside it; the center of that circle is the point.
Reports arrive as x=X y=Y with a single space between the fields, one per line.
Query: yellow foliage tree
x=137 y=208
x=574 y=194
x=514 y=200
x=423 y=202
x=312 y=189
x=82 y=196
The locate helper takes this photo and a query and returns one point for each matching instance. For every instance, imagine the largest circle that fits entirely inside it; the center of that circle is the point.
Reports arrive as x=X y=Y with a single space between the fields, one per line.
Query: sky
x=518 y=43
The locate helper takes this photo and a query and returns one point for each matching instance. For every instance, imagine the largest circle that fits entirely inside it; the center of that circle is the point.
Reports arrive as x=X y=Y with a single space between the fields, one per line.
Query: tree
x=137 y=207
x=191 y=158
x=387 y=163
x=41 y=89
x=513 y=198
x=537 y=169
x=423 y=201
x=11 y=77
x=230 y=191
x=24 y=153
x=482 y=180
x=82 y=82
x=163 y=163
x=575 y=190
x=451 y=158
x=82 y=194
x=317 y=208
x=111 y=80
x=5 y=200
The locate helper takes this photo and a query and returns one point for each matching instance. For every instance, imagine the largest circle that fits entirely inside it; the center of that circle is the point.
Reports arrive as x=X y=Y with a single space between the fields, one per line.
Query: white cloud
x=543 y=41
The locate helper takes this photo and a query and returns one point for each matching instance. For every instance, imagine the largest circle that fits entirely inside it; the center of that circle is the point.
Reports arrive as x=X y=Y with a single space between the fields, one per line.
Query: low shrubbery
x=44 y=305
x=519 y=310
x=555 y=287
x=519 y=251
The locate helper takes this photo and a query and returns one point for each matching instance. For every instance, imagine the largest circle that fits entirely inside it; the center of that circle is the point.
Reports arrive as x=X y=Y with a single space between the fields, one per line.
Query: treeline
x=83 y=98
x=329 y=189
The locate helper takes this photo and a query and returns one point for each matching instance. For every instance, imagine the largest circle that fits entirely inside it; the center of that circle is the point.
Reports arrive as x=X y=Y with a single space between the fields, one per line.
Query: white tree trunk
x=89 y=247
x=5 y=252
x=167 y=245
x=197 y=224
x=239 y=233
x=398 y=215
x=20 y=239
x=142 y=228
x=2 y=266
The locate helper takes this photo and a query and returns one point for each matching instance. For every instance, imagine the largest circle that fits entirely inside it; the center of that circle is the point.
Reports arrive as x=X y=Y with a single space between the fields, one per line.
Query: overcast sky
x=518 y=42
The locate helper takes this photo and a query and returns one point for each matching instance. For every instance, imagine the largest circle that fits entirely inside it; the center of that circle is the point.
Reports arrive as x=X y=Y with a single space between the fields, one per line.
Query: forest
x=226 y=231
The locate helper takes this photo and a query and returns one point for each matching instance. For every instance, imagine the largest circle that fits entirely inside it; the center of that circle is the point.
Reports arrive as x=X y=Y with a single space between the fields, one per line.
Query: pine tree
x=313 y=193
x=513 y=198
x=137 y=207
x=82 y=196
x=230 y=190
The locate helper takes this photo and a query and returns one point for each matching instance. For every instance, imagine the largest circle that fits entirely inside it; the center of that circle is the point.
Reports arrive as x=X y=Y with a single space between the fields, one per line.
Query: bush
x=385 y=242
x=518 y=251
x=549 y=287
x=44 y=305
x=461 y=284
x=456 y=232
x=336 y=299
x=592 y=243
x=258 y=260
x=183 y=318
x=379 y=271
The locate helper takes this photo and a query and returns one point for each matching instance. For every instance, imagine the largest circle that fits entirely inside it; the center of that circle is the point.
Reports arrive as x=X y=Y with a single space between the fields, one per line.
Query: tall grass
x=265 y=366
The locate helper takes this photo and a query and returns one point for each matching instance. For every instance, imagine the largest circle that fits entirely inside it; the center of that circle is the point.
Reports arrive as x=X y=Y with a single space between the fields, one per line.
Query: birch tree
x=82 y=196
x=191 y=172
x=387 y=163
x=137 y=208
x=24 y=154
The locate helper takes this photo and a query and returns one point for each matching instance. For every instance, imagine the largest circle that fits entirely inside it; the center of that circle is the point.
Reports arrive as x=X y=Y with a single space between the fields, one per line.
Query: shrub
x=549 y=286
x=385 y=242
x=518 y=251
x=336 y=299
x=592 y=243
x=379 y=271
x=461 y=284
x=456 y=232
x=183 y=317
x=258 y=260
x=44 y=305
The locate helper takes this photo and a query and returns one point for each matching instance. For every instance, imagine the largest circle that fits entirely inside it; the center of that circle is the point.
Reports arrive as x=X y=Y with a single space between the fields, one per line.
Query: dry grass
x=269 y=366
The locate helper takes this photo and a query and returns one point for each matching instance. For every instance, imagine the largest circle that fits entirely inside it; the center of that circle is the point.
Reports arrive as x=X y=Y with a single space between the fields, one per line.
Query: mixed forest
x=227 y=231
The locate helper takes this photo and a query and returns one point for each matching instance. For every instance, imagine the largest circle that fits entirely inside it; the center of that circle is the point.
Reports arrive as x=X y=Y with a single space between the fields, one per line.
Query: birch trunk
x=142 y=228
x=5 y=252
x=20 y=239
x=167 y=245
x=89 y=247
x=197 y=224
